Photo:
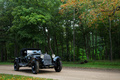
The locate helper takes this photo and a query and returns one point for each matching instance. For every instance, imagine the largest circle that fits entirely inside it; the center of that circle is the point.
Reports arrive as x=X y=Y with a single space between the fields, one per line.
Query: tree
x=5 y=23
x=106 y=15
x=71 y=6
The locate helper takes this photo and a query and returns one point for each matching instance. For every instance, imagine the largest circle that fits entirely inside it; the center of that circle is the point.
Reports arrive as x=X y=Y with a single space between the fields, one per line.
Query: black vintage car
x=35 y=59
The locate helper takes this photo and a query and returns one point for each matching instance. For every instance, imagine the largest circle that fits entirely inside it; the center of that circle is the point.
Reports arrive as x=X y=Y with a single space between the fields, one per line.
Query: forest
x=75 y=30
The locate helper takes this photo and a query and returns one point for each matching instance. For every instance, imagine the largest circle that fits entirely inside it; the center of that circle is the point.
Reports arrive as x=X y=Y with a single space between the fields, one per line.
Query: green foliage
x=19 y=77
x=82 y=53
x=44 y=24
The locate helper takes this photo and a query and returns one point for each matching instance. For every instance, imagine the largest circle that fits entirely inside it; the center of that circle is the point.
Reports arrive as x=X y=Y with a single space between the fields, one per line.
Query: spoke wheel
x=35 y=67
x=16 y=66
x=58 y=66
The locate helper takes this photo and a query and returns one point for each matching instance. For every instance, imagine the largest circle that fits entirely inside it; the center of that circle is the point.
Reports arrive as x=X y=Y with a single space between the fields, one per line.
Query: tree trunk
x=111 y=58
x=46 y=40
x=33 y=45
x=74 y=35
x=5 y=51
x=67 y=44
x=88 y=43
x=67 y=41
x=2 y=55
x=49 y=43
x=56 y=44
x=106 y=51
x=53 y=45
x=85 y=46
x=95 y=45
x=37 y=45
x=88 y=46
x=15 y=46
x=62 y=49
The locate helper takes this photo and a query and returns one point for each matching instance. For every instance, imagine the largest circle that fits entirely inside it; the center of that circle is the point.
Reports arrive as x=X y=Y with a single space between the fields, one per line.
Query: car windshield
x=31 y=52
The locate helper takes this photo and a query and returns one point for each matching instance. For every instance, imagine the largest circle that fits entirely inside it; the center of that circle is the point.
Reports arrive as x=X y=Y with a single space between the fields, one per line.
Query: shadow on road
x=41 y=71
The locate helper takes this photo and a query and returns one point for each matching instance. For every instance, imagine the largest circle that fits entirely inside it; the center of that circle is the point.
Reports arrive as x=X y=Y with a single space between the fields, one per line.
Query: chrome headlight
x=53 y=55
x=42 y=56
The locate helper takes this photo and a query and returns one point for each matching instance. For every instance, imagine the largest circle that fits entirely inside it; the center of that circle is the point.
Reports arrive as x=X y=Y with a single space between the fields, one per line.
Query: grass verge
x=6 y=63
x=94 y=64
x=19 y=77
x=103 y=64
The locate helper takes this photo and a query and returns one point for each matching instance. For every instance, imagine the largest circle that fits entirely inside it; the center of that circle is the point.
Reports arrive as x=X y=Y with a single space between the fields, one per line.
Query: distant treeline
x=76 y=30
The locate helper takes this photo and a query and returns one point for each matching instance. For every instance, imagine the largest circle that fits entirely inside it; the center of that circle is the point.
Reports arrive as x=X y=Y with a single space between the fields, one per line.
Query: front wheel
x=35 y=67
x=16 y=66
x=58 y=66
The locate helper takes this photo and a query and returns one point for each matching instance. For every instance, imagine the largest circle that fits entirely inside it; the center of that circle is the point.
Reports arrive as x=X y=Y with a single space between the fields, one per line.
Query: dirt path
x=65 y=74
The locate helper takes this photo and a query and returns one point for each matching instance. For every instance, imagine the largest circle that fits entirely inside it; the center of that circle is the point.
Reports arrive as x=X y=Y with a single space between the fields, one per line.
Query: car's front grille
x=47 y=59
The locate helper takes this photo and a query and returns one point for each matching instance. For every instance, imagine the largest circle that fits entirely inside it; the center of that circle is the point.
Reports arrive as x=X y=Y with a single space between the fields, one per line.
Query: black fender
x=16 y=60
x=34 y=60
x=56 y=58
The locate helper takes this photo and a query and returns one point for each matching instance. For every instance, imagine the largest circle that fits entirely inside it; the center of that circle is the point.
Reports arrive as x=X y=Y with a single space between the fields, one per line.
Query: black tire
x=35 y=67
x=16 y=66
x=58 y=66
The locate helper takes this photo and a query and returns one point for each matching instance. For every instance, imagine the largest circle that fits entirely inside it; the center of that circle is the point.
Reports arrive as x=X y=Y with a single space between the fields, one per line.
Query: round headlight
x=53 y=55
x=42 y=56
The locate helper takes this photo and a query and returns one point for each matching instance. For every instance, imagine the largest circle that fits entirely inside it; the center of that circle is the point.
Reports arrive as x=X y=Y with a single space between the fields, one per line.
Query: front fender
x=57 y=57
x=34 y=59
x=16 y=60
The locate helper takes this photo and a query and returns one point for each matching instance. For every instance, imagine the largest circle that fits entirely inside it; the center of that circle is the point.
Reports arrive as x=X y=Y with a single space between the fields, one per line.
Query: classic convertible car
x=35 y=59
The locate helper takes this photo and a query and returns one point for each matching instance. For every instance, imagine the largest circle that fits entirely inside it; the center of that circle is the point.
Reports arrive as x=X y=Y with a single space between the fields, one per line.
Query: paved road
x=65 y=74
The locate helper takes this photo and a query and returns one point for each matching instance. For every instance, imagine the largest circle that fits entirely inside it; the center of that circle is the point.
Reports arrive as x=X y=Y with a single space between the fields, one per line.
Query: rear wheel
x=35 y=67
x=16 y=66
x=58 y=66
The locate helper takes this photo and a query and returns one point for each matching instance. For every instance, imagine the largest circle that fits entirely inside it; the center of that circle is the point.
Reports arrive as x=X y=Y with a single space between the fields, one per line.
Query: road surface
x=65 y=74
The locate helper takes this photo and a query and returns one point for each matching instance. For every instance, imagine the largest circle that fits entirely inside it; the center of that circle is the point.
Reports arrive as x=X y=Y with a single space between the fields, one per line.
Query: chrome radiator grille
x=47 y=59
